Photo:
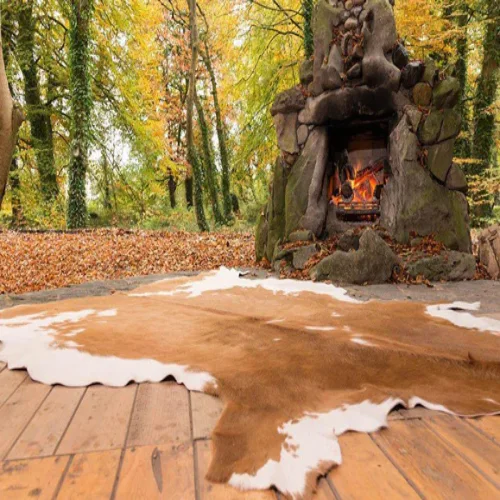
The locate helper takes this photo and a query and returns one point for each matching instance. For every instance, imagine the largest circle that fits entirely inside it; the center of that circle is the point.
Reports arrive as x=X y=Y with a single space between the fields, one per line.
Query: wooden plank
x=2 y=366
x=157 y=472
x=44 y=432
x=488 y=425
x=210 y=491
x=10 y=380
x=435 y=469
x=37 y=478
x=418 y=412
x=471 y=444
x=17 y=412
x=161 y=416
x=91 y=475
x=101 y=421
x=206 y=411
x=366 y=473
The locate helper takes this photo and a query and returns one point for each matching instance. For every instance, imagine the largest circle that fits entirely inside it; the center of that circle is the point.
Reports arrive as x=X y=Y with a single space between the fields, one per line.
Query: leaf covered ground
x=39 y=261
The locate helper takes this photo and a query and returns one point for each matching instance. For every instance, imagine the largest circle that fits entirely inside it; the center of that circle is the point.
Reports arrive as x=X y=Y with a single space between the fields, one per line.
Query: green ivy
x=307 y=11
x=82 y=12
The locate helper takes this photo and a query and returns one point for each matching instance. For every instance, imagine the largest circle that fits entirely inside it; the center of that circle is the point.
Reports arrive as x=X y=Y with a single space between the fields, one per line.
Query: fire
x=363 y=186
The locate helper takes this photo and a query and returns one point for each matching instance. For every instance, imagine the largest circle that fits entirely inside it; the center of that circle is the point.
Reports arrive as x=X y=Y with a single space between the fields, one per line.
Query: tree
x=307 y=12
x=10 y=121
x=81 y=107
x=38 y=113
x=487 y=89
x=208 y=161
x=190 y=102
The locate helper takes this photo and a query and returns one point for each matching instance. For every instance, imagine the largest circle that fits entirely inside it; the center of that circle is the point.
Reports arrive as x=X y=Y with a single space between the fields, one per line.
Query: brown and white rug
x=297 y=364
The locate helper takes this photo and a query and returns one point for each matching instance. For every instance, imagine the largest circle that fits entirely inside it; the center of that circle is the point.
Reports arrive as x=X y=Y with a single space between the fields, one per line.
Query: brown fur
x=265 y=383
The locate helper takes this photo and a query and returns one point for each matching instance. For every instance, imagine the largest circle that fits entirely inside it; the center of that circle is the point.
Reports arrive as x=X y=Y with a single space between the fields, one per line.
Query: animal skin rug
x=297 y=364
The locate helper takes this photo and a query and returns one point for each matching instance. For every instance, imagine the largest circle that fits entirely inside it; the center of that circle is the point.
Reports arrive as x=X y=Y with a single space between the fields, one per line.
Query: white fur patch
x=455 y=313
x=227 y=279
x=311 y=441
x=28 y=342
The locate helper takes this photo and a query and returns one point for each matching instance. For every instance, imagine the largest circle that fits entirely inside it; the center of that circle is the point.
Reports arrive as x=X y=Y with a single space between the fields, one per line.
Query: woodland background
x=117 y=78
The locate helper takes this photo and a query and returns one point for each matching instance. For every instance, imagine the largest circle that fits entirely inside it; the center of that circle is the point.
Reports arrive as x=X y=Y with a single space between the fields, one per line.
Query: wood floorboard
x=366 y=473
x=471 y=445
x=489 y=426
x=90 y=475
x=17 y=412
x=151 y=472
x=10 y=380
x=160 y=416
x=206 y=411
x=43 y=433
x=37 y=478
x=101 y=421
x=436 y=470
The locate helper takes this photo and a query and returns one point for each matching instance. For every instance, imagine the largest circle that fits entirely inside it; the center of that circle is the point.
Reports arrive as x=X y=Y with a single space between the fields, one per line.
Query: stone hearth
x=366 y=138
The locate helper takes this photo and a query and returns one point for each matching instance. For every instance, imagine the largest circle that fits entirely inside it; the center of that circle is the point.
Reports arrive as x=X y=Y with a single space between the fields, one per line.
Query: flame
x=363 y=187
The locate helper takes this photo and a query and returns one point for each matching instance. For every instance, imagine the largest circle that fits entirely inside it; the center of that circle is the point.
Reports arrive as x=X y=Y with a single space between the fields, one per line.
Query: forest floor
x=47 y=260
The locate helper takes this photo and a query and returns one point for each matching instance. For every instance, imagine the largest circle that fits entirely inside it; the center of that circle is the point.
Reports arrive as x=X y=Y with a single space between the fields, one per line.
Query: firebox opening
x=359 y=157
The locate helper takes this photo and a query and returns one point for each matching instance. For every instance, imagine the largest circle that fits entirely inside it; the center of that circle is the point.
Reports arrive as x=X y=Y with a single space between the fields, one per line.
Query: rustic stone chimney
x=367 y=137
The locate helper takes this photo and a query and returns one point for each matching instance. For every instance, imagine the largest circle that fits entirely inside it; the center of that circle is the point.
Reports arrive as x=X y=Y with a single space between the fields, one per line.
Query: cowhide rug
x=297 y=364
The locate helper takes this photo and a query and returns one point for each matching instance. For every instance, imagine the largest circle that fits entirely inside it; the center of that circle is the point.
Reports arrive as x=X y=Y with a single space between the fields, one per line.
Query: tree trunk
x=81 y=107
x=484 y=114
x=172 y=188
x=221 y=136
x=10 y=121
x=463 y=147
x=192 y=155
x=38 y=114
x=307 y=12
x=189 y=190
x=15 y=189
x=106 y=182
x=210 y=170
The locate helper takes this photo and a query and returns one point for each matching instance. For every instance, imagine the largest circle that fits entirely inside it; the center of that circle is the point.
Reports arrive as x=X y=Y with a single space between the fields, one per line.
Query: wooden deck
x=152 y=441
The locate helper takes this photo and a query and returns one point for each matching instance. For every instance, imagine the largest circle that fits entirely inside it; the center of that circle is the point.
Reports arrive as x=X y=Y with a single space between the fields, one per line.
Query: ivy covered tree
x=307 y=11
x=38 y=112
x=81 y=106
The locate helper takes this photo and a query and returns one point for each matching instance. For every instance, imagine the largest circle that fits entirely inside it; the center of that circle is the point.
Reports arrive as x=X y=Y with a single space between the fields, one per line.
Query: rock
x=344 y=44
x=348 y=241
x=349 y=4
x=452 y=123
x=430 y=75
x=489 y=250
x=289 y=158
x=374 y=262
x=456 y=180
x=357 y=11
x=289 y=101
x=302 y=134
x=422 y=94
x=400 y=56
x=413 y=202
x=415 y=242
x=414 y=116
x=412 y=74
x=354 y=72
x=351 y=24
x=439 y=159
x=430 y=129
x=261 y=235
x=300 y=195
x=330 y=75
x=380 y=37
x=306 y=72
x=276 y=209
x=449 y=266
x=301 y=236
x=348 y=102
x=358 y=2
x=286 y=131
x=446 y=94
x=302 y=255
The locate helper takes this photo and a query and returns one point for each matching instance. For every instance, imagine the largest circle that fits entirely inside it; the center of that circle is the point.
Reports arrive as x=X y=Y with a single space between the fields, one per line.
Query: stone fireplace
x=366 y=138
